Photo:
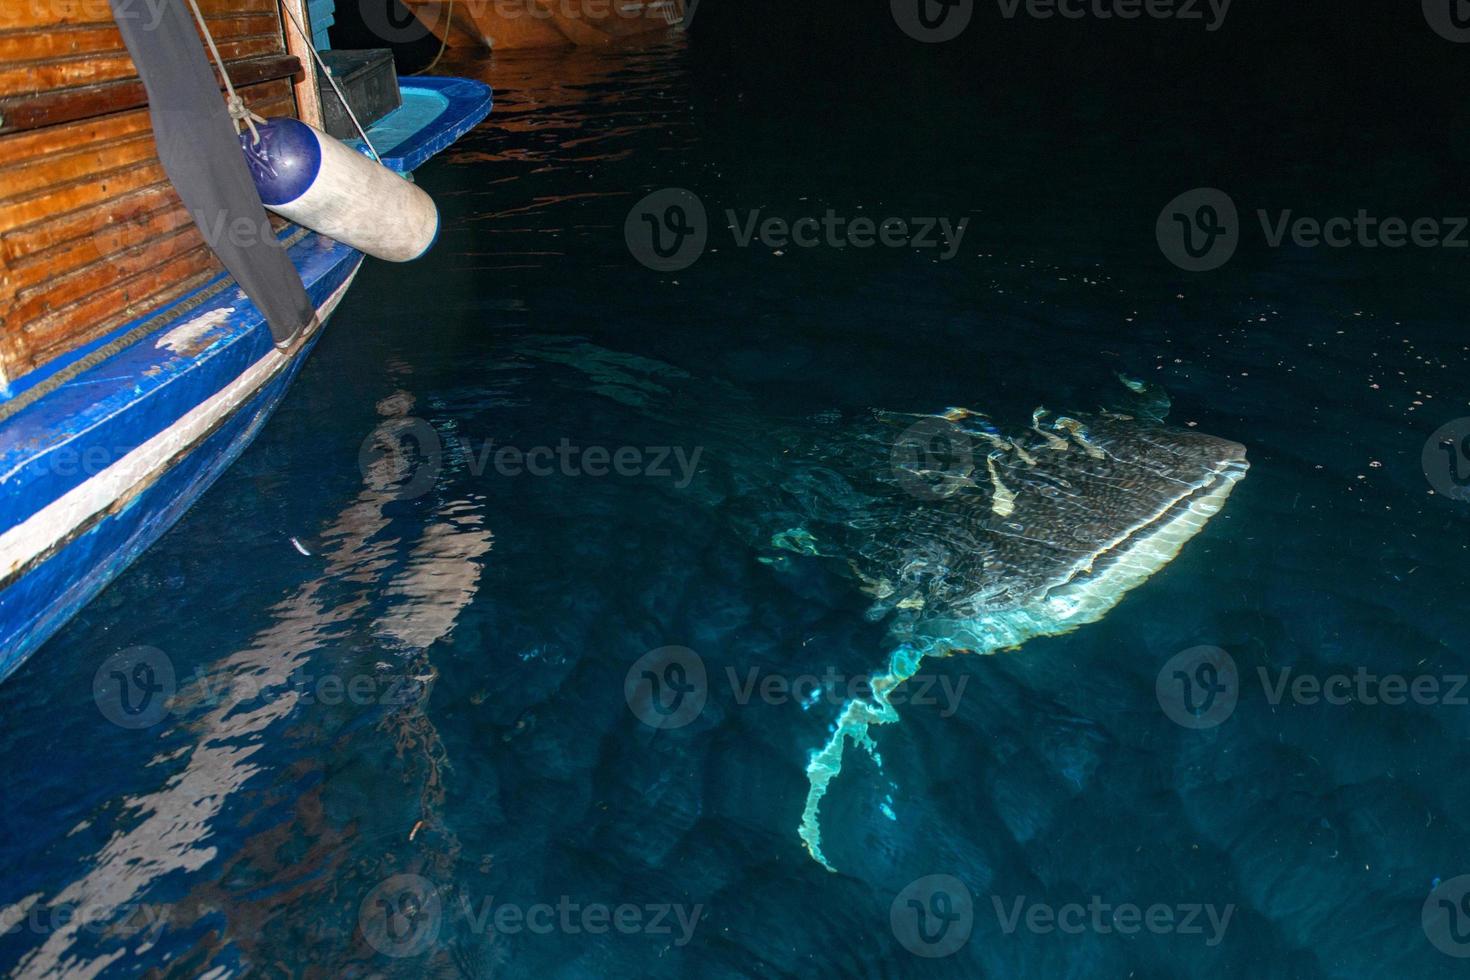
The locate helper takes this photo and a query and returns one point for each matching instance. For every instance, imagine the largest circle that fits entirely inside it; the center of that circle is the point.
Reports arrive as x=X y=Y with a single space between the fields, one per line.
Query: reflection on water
x=434 y=692
x=395 y=595
x=562 y=117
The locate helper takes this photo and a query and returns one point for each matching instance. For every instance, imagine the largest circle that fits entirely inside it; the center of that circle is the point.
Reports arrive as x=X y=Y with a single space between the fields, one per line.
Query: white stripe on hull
x=144 y=465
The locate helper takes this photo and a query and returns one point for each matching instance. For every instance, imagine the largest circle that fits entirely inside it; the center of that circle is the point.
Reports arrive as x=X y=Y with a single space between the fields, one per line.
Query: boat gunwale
x=142 y=389
x=76 y=408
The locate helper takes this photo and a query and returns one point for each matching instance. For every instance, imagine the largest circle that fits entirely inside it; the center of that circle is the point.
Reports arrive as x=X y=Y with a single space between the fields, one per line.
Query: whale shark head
x=966 y=537
x=1040 y=531
x=977 y=540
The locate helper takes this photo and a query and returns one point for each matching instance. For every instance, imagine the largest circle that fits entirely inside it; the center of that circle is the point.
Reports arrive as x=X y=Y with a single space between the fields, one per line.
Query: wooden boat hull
x=515 y=24
x=214 y=433
x=104 y=449
x=92 y=234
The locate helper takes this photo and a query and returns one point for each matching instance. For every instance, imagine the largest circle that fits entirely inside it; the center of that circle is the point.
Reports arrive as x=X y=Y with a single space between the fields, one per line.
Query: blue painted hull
x=101 y=452
x=51 y=593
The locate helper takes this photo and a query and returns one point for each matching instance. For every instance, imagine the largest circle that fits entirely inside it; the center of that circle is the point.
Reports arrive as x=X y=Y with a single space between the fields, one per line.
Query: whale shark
x=969 y=538
x=975 y=540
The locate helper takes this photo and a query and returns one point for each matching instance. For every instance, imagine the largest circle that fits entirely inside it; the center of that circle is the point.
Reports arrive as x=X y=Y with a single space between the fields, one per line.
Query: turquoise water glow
x=436 y=708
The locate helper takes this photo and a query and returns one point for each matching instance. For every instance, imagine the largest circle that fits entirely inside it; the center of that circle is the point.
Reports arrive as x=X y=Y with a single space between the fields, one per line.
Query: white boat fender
x=318 y=182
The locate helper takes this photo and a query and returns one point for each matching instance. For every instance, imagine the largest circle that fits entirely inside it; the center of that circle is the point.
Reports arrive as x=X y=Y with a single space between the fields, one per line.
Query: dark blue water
x=377 y=747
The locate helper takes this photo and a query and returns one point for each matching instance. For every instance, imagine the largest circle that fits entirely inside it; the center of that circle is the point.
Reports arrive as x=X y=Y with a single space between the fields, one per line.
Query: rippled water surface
x=415 y=716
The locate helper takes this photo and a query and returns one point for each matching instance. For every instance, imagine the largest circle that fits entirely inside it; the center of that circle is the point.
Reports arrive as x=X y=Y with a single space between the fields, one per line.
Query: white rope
x=235 y=104
x=286 y=6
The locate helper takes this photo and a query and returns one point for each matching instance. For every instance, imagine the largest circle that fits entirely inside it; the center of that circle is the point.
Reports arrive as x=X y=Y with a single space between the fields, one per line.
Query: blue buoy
x=285 y=162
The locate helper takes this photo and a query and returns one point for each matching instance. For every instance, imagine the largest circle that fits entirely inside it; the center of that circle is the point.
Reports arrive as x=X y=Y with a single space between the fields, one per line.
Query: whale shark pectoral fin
x=853 y=723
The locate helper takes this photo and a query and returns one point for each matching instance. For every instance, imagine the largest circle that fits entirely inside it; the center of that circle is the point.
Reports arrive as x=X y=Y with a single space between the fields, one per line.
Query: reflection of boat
x=505 y=24
x=419 y=586
x=133 y=368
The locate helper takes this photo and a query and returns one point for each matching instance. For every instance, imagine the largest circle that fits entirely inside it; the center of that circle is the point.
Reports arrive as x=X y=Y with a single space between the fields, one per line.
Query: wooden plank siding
x=92 y=234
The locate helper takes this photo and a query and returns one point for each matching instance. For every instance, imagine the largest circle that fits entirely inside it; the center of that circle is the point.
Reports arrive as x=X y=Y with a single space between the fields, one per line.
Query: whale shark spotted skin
x=987 y=540
x=967 y=538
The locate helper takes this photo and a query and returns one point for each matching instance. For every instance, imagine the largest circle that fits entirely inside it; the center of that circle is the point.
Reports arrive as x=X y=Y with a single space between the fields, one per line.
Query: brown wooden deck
x=92 y=235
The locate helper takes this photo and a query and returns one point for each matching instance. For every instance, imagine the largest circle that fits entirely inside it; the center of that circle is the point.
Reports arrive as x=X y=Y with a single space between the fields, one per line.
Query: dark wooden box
x=370 y=83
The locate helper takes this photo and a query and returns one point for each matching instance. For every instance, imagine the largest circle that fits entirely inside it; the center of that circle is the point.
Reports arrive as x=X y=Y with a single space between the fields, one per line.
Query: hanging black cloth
x=200 y=152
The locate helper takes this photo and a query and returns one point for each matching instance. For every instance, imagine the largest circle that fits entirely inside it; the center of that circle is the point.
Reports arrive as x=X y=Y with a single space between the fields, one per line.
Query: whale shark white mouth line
x=1046 y=535
x=969 y=539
